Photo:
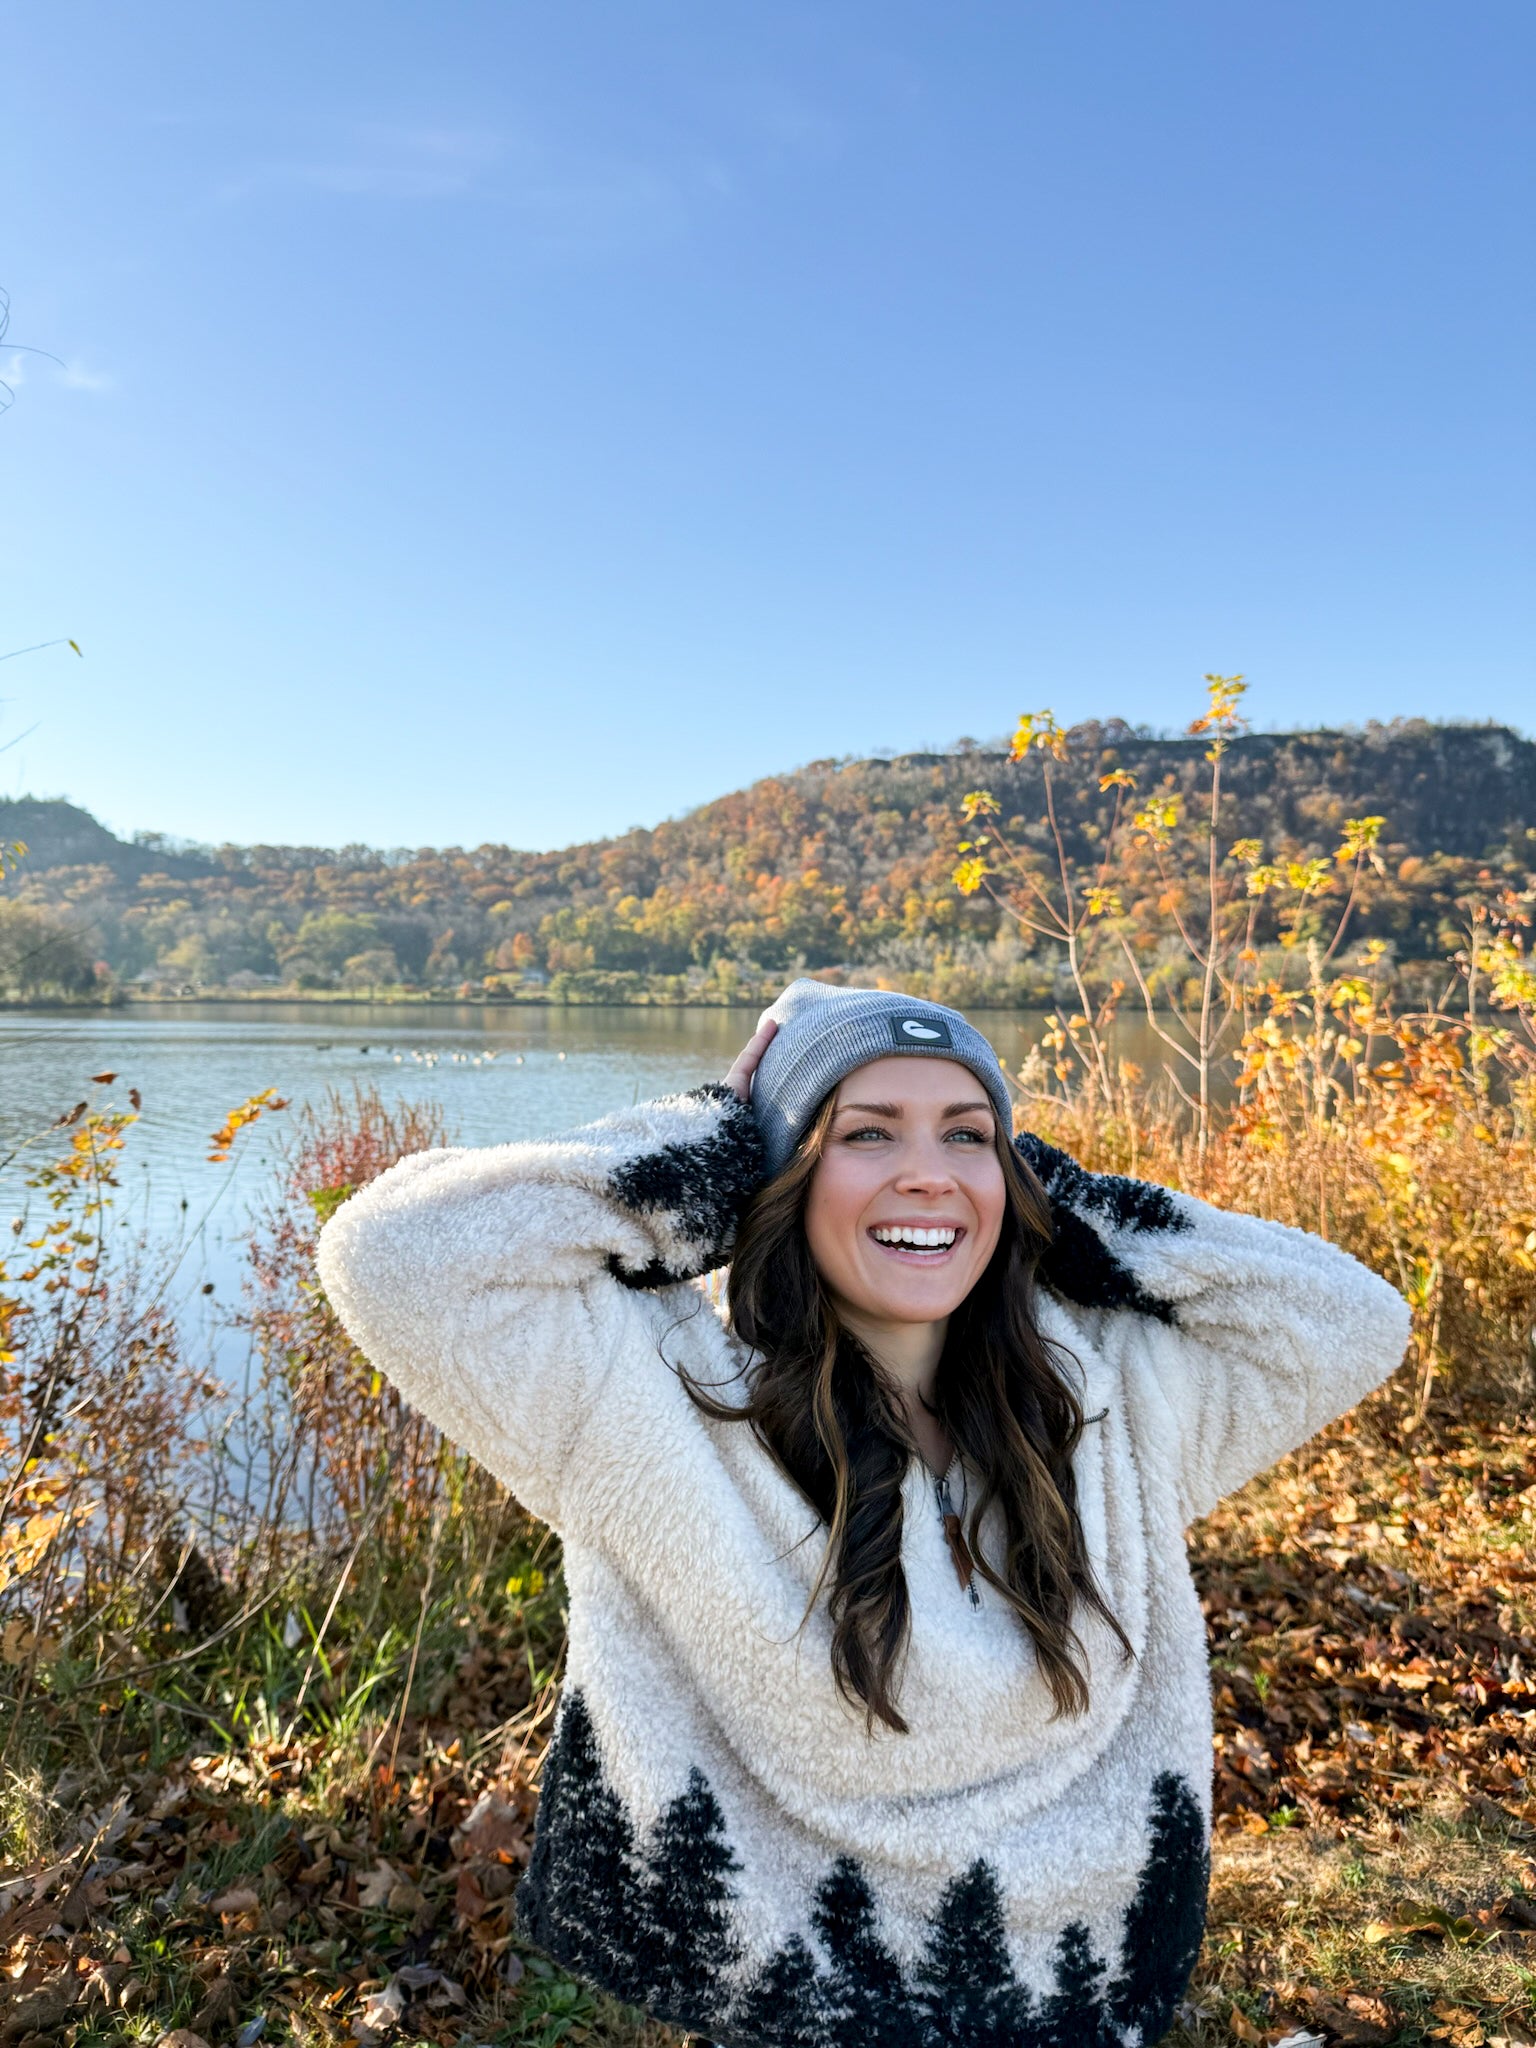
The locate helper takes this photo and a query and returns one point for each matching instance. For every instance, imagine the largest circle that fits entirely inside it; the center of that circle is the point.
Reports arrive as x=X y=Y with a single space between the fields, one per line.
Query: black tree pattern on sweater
x=970 y=1996
x=651 y=1922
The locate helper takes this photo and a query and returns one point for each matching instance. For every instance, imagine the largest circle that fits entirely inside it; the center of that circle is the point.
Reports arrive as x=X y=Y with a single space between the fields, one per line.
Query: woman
x=886 y=1716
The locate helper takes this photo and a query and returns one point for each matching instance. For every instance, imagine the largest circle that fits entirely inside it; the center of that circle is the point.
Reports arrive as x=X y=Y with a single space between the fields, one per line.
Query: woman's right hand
x=739 y=1079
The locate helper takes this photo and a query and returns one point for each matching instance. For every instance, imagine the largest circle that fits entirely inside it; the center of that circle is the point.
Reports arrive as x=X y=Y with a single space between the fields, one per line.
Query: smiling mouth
x=917 y=1244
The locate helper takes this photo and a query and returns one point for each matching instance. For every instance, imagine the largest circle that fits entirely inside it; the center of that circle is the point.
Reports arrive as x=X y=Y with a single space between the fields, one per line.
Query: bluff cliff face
x=61 y=835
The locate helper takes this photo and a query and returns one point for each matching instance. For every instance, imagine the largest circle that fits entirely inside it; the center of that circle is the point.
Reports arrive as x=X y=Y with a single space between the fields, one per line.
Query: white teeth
x=938 y=1238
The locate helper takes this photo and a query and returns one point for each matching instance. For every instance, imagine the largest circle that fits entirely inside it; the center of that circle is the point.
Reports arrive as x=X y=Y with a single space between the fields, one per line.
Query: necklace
x=954 y=1532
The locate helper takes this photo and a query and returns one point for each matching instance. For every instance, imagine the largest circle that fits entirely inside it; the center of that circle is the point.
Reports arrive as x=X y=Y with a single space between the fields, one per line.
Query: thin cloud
x=381 y=162
x=78 y=378
x=566 y=199
x=570 y=206
x=14 y=370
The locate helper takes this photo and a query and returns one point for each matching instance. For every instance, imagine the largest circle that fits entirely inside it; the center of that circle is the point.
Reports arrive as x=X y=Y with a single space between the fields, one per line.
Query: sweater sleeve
x=1254 y=1334
x=496 y=1287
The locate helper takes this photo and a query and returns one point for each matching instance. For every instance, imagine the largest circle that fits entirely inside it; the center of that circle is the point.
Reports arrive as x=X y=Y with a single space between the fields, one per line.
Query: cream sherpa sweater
x=719 y=1840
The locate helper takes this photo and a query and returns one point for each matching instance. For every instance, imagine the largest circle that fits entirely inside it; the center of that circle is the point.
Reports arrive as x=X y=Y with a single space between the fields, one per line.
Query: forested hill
x=839 y=864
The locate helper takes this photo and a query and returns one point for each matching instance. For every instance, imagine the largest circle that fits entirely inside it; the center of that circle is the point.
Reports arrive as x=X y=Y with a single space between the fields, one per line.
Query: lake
x=498 y=1073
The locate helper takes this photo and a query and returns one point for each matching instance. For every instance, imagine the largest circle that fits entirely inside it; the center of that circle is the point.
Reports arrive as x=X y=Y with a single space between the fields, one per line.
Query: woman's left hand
x=739 y=1079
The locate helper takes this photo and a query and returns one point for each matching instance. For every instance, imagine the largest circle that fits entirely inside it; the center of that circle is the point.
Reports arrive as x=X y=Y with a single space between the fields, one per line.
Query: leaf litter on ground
x=1371 y=1610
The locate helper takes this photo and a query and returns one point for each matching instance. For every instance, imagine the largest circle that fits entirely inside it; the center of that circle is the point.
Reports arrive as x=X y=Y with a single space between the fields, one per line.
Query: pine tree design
x=1073 y=2015
x=653 y=1924
x=685 y=1904
x=784 y=2003
x=970 y=1995
x=865 y=1997
x=578 y=1897
x=1165 y=1921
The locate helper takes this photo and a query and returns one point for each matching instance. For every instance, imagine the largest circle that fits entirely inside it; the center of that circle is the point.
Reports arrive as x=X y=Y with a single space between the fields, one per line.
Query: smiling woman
x=884 y=1278
x=802 y=1787
x=931 y=1161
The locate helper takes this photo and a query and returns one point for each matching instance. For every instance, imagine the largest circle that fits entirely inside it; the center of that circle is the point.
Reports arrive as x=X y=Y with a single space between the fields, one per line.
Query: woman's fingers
x=739 y=1079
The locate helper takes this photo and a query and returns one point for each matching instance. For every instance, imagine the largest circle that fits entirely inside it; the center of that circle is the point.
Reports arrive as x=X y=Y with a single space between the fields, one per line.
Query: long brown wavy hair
x=831 y=1418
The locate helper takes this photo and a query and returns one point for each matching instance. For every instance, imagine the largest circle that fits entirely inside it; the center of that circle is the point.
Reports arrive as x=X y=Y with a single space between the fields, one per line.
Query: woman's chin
x=908 y=1297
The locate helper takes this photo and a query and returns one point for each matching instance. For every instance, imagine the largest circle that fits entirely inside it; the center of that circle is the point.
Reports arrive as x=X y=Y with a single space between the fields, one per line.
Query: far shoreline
x=322 y=1000
x=536 y=999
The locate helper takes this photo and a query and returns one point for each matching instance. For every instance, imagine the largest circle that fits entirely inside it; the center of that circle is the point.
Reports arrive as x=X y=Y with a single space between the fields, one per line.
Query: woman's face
x=906 y=1203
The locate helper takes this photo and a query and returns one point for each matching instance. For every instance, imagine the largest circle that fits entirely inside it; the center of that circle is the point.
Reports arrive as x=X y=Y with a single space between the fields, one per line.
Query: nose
x=925 y=1169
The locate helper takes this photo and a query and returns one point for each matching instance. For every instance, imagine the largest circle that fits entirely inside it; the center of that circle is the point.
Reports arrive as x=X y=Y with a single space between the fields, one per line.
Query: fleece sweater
x=719 y=1840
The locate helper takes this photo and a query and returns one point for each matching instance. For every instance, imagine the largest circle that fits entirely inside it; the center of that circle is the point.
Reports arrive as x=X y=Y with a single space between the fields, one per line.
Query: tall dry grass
x=1290 y=1081
x=157 y=1522
x=1417 y=1167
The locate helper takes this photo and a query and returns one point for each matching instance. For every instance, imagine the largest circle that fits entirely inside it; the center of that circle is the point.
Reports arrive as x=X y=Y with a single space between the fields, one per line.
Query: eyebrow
x=894 y=1109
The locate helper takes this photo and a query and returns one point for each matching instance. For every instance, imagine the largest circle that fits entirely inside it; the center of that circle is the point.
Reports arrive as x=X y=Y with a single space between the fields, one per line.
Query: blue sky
x=518 y=422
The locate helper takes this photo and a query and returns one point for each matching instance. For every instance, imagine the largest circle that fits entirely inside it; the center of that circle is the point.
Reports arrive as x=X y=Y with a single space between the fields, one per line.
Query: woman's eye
x=875 y=1131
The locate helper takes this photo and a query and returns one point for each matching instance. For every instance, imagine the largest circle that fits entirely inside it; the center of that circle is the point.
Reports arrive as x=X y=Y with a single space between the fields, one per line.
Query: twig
x=421 y=1623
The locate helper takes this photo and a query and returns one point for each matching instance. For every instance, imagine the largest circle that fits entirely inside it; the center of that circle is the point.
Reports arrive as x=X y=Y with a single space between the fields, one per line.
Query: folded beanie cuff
x=825 y=1033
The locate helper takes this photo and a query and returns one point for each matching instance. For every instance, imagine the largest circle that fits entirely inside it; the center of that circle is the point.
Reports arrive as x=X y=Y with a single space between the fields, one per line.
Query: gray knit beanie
x=824 y=1033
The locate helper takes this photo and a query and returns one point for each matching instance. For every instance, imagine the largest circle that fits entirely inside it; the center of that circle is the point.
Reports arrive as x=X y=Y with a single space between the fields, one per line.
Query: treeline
x=842 y=865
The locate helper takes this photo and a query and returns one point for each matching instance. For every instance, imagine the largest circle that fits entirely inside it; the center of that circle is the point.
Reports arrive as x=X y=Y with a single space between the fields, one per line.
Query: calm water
x=497 y=1073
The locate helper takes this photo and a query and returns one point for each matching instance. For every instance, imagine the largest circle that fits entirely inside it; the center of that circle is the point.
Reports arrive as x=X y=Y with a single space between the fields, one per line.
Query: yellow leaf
x=1038 y=731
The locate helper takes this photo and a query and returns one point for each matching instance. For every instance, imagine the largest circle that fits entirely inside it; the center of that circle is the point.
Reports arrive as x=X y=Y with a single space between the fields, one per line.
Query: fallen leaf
x=241 y=1900
x=103 y=1981
x=373 y=1891
x=419 y=1977
x=43 y=2011
x=492 y=1827
x=404 y=1899
x=380 y=2012
x=469 y=1902
x=1361 y=2019
x=1412 y=1918
x=170 y=1799
x=217 y=2010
